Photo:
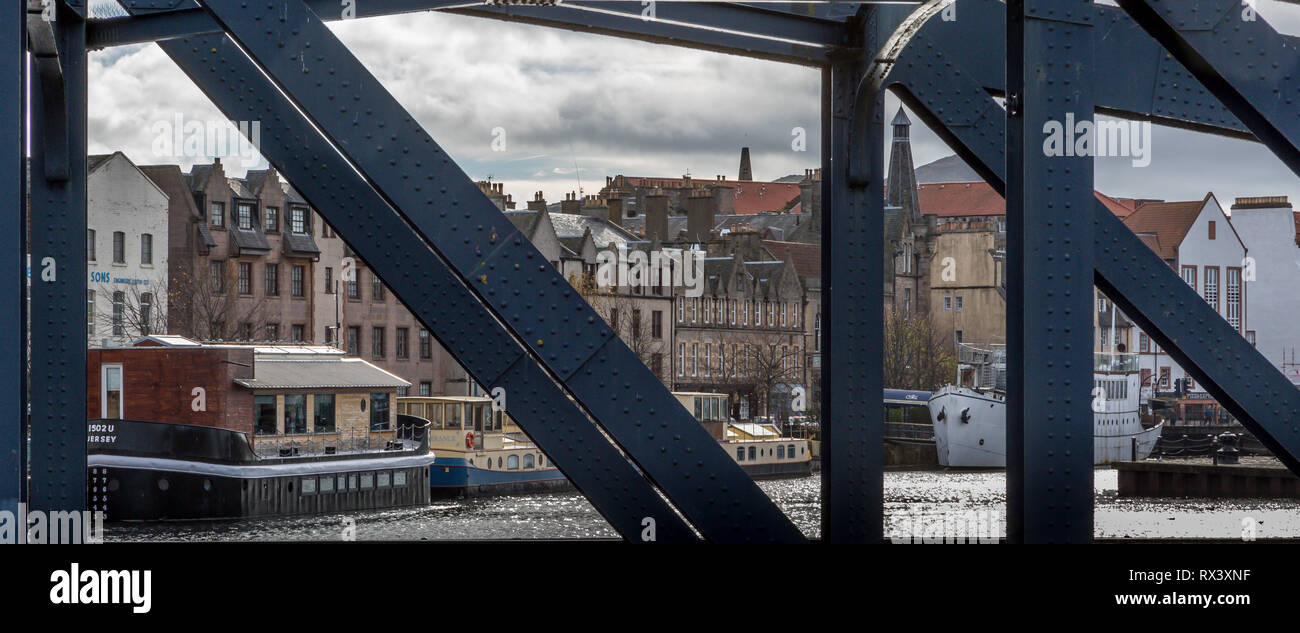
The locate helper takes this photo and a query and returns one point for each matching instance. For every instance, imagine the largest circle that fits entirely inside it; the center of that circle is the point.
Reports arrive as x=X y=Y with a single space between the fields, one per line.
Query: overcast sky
x=577 y=108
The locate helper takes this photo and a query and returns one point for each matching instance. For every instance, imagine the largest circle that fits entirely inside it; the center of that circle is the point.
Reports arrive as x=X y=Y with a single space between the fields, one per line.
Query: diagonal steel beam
x=719 y=27
x=1145 y=288
x=424 y=284
x=404 y=164
x=1231 y=50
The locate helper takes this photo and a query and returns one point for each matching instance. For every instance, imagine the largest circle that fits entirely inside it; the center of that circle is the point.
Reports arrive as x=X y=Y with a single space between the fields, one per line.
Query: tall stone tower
x=901 y=187
x=909 y=240
x=746 y=173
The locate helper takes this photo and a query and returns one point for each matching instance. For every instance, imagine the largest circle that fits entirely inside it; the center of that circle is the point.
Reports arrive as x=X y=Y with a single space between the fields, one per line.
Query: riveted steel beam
x=528 y=296
x=1244 y=63
x=1135 y=278
x=42 y=42
x=13 y=246
x=423 y=283
x=58 y=283
x=716 y=26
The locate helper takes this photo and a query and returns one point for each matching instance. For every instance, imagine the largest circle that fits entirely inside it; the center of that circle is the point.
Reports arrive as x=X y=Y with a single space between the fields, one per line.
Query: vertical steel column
x=13 y=388
x=1049 y=272
x=852 y=295
x=58 y=286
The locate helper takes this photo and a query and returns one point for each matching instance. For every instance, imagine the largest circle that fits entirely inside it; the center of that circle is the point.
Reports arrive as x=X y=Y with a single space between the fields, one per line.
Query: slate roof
x=806 y=258
x=248 y=239
x=339 y=373
x=301 y=243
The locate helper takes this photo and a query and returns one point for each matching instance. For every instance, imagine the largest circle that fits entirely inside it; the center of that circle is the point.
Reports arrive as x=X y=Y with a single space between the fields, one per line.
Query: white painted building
x=1271 y=231
x=126 y=243
x=1196 y=239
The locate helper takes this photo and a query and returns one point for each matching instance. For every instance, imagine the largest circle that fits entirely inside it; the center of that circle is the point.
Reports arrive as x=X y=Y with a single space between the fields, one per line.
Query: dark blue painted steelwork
x=13 y=220
x=750 y=31
x=424 y=283
x=58 y=285
x=504 y=270
x=1049 y=274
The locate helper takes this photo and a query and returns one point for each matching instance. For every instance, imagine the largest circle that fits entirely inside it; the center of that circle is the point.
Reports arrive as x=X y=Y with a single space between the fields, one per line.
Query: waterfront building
x=127 y=252
x=1270 y=229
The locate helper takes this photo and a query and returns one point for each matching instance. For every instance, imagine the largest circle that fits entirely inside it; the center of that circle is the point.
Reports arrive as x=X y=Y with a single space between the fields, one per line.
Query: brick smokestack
x=656 y=217
x=746 y=173
x=538 y=203
x=699 y=216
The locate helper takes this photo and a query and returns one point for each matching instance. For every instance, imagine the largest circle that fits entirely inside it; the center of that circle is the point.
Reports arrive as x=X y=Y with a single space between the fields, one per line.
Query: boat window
x=384 y=478
x=327 y=484
x=264 y=414
x=454 y=415
x=512 y=463
x=433 y=413
x=295 y=413
x=324 y=422
x=740 y=453
x=780 y=452
x=367 y=481
x=752 y=453
x=111 y=401
x=529 y=460
x=399 y=478
x=789 y=450
x=478 y=417
x=699 y=409
x=307 y=485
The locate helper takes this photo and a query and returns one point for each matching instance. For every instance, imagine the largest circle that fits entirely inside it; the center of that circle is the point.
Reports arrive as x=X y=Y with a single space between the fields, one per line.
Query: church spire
x=900 y=190
x=746 y=173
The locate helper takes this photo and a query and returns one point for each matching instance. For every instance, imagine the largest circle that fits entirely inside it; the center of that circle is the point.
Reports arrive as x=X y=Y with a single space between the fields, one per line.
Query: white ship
x=970 y=425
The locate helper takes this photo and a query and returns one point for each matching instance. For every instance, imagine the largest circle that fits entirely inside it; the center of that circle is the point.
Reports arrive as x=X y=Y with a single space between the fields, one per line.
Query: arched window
x=529 y=461
x=512 y=463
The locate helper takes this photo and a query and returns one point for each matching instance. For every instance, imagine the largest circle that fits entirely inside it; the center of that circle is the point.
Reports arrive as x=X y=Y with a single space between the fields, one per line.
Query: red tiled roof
x=1170 y=221
x=748 y=196
x=807 y=258
x=957 y=199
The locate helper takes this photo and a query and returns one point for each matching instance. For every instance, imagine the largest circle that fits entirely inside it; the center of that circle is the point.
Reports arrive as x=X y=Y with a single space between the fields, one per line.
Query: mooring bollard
x=1227 y=453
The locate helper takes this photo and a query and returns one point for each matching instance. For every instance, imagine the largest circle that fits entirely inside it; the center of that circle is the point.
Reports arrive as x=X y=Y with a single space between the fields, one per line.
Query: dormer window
x=298 y=220
x=271 y=224
x=244 y=216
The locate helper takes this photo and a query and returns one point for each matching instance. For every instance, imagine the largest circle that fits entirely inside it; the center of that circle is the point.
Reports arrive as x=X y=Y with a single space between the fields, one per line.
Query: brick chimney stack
x=615 y=210
x=538 y=203
x=699 y=216
x=656 y=217
x=571 y=203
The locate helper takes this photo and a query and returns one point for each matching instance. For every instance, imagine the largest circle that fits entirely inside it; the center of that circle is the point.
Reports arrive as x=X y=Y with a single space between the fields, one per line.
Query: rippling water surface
x=911 y=497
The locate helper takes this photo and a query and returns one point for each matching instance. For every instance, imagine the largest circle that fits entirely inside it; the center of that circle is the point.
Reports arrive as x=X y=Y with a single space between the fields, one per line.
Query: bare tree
x=625 y=315
x=133 y=310
x=769 y=365
x=915 y=355
x=211 y=307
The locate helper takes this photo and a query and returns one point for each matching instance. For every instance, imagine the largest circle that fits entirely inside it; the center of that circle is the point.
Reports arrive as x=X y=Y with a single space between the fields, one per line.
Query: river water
x=913 y=499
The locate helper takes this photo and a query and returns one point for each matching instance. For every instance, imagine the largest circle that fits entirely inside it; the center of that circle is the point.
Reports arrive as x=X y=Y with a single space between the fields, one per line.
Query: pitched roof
x=978 y=198
x=807 y=258
x=1170 y=221
x=747 y=196
x=603 y=232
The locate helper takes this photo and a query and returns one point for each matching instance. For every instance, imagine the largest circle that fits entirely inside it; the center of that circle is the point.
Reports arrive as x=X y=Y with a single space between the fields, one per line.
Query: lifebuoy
x=469 y=440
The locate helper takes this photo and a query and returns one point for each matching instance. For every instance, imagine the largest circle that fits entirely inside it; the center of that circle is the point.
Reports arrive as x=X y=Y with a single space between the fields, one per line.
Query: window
x=1211 y=229
x=1250 y=337
x=297 y=332
x=354 y=289
x=1101 y=303
x=298 y=220
x=1144 y=343
x=1234 y=298
x=758 y=314
x=706 y=358
x=681 y=309
x=323 y=422
x=119 y=309
x=245 y=332
x=264 y=414
x=817 y=332
x=146 y=249
x=636 y=324
x=733 y=311
x=771 y=321
x=354 y=340
x=376 y=287
x=272 y=331
x=1211 y=290
x=110 y=397
x=512 y=462
x=426 y=345
x=1164 y=377
x=378 y=412
x=1189 y=276
x=740 y=453
x=657 y=325
x=90 y=245
x=217 y=215
x=377 y=342
x=753 y=453
x=681 y=359
x=708 y=309
x=785 y=307
x=295 y=281
x=695 y=359
x=244 y=280
x=329 y=280
x=400 y=340
x=695 y=304
x=529 y=461
x=958 y=335
x=326 y=230
x=244 y=216
x=959 y=303
x=271 y=220
x=119 y=247
x=146 y=313
x=217 y=276
x=271 y=279
x=295 y=413
x=90 y=313
x=426 y=388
